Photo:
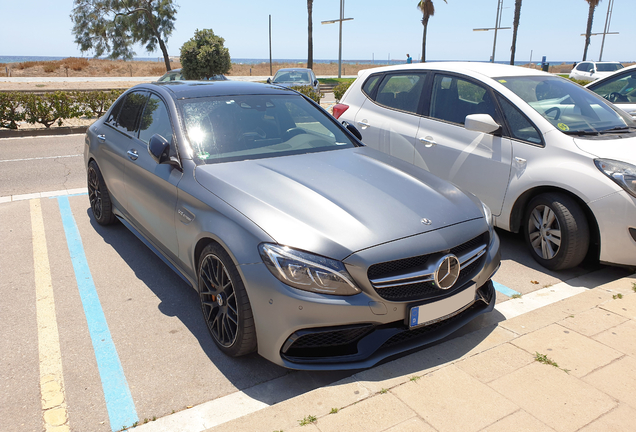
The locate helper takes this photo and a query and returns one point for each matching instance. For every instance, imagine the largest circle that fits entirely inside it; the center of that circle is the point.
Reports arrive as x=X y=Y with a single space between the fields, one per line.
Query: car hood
x=621 y=149
x=335 y=203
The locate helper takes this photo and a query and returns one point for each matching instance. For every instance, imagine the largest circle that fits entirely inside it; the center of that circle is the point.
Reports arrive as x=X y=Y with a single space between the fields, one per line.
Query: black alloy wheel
x=556 y=231
x=98 y=196
x=224 y=302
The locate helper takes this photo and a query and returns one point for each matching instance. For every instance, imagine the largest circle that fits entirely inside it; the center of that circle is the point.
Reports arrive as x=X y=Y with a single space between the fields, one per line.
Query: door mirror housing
x=481 y=123
x=351 y=128
x=269 y=80
x=159 y=149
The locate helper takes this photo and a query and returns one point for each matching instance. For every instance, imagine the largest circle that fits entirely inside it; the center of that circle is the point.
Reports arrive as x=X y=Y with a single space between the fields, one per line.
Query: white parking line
x=40 y=158
x=63 y=192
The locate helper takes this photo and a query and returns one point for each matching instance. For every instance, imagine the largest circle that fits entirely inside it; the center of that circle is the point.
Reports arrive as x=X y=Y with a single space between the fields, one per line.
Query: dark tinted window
x=371 y=84
x=112 y=117
x=127 y=120
x=619 y=89
x=520 y=127
x=401 y=91
x=155 y=120
x=454 y=98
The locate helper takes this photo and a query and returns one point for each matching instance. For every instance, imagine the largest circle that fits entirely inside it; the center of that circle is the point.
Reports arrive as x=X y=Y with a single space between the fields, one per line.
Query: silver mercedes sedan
x=303 y=244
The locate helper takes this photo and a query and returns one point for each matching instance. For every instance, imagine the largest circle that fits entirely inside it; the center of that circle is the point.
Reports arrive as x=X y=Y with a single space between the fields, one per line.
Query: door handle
x=428 y=141
x=363 y=123
x=101 y=137
x=132 y=154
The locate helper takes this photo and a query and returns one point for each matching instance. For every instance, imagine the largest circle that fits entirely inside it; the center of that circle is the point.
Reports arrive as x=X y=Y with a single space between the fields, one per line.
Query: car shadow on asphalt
x=252 y=374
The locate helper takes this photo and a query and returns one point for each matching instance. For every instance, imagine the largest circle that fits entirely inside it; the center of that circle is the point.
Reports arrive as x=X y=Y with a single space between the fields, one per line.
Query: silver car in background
x=295 y=77
x=303 y=245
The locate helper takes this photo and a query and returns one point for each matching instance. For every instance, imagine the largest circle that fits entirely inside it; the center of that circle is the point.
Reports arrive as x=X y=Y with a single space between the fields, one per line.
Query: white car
x=549 y=157
x=618 y=88
x=590 y=71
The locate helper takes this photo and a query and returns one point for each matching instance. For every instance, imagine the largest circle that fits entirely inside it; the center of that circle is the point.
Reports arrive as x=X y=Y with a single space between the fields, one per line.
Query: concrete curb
x=65 y=130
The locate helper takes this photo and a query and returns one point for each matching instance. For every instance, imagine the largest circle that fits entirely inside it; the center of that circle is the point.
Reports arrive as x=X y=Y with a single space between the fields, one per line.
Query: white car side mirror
x=481 y=123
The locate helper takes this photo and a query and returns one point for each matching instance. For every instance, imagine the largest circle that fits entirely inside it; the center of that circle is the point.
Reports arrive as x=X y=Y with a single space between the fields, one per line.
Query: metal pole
x=608 y=18
x=340 y=40
x=270 y=45
x=494 y=42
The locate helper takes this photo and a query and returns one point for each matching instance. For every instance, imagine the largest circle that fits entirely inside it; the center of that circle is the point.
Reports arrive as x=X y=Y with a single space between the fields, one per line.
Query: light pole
x=342 y=18
x=495 y=28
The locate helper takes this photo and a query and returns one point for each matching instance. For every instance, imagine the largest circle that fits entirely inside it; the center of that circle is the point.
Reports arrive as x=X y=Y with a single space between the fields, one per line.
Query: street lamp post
x=495 y=28
x=342 y=18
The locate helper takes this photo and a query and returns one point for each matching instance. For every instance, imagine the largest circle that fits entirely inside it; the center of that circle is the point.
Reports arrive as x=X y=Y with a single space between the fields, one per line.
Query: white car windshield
x=569 y=107
x=231 y=128
x=291 y=77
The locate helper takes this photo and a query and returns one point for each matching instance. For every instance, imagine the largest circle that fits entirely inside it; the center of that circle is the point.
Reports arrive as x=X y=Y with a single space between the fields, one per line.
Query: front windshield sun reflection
x=570 y=108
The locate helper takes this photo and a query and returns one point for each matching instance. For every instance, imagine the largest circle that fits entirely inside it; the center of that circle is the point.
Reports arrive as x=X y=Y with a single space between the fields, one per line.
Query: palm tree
x=310 y=39
x=428 y=10
x=515 y=26
x=590 y=18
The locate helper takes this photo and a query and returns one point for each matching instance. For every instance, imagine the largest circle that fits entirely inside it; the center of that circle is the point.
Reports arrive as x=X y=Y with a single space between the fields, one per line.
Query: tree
x=428 y=10
x=204 y=56
x=114 y=26
x=590 y=18
x=515 y=27
x=310 y=38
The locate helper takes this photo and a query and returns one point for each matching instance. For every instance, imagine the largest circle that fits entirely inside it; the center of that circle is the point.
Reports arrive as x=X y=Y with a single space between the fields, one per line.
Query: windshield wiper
x=620 y=129
x=582 y=133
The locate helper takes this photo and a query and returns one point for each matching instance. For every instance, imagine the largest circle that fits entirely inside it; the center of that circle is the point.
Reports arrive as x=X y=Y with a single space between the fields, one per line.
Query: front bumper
x=309 y=331
x=616 y=218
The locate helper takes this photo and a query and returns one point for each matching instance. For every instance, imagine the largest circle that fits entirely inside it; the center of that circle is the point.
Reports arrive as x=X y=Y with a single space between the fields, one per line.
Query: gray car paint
x=360 y=188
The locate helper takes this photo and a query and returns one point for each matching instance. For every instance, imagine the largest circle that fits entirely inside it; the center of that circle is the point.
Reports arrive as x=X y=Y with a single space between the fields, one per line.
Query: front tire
x=224 y=303
x=98 y=195
x=556 y=231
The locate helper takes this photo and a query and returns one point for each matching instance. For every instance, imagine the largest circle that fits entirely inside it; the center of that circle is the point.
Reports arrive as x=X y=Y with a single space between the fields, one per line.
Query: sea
x=20 y=59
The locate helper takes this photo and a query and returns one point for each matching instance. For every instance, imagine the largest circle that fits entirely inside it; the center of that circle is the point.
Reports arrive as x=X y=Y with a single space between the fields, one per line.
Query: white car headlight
x=306 y=271
x=622 y=173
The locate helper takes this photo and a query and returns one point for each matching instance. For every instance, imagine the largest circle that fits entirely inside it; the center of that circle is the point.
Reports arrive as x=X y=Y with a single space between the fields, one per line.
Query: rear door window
x=401 y=91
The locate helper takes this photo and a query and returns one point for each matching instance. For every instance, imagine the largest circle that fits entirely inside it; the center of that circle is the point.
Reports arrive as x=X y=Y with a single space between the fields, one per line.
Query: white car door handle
x=132 y=154
x=428 y=141
x=363 y=123
x=101 y=137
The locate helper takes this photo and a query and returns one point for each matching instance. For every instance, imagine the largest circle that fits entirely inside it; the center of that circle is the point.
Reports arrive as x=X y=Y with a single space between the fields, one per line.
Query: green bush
x=96 y=103
x=340 y=89
x=50 y=108
x=309 y=92
x=10 y=110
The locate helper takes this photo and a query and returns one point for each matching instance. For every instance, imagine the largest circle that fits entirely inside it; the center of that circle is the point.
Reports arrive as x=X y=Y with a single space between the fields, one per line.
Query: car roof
x=195 y=89
x=490 y=70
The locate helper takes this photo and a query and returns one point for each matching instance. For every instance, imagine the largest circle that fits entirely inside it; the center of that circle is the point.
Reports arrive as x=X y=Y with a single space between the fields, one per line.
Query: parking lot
x=102 y=334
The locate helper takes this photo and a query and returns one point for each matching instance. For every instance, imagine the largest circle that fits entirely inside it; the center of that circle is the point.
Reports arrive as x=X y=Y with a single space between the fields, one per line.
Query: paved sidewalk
x=566 y=367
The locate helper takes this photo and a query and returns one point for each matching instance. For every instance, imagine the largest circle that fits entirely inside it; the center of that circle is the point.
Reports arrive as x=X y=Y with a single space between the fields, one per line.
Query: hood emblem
x=447 y=272
x=426 y=221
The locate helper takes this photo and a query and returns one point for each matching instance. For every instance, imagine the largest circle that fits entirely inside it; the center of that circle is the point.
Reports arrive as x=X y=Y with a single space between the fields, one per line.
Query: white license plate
x=432 y=312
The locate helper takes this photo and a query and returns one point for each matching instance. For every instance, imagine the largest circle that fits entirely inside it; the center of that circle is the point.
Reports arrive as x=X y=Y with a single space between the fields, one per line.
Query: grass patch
x=542 y=358
x=307 y=420
x=617 y=296
x=383 y=391
x=336 y=81
x=516 y=296
x=334 y=411
x=415 y=378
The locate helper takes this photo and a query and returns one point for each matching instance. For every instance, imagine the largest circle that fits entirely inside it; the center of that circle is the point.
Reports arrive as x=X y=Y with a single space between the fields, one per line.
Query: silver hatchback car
x=303 y=244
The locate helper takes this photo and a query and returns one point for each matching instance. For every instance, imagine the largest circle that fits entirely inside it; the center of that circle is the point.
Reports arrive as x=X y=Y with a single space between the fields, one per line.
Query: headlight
x=487 y=216
x=306 y=271
x=622 y=173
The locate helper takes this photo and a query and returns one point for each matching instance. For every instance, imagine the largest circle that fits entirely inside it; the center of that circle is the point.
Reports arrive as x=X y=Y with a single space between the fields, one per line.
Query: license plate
x=438 y=310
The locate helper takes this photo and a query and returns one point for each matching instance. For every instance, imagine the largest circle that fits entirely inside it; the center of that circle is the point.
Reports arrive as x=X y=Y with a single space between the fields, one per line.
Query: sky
x=379 y=30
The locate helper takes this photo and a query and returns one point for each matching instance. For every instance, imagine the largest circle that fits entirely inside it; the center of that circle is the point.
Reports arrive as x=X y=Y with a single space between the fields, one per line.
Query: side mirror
x=481 y=123
x=315 y=82
x=269 y=80
x=159 y=149
x=351 y=128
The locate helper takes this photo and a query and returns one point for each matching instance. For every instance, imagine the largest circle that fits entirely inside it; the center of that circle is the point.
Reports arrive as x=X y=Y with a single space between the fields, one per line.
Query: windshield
x=231 y=128
x=291 y=77
x=569 y=107
x=608 y=67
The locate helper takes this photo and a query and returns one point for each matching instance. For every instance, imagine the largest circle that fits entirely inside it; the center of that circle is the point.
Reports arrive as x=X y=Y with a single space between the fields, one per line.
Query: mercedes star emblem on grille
x=447 y=272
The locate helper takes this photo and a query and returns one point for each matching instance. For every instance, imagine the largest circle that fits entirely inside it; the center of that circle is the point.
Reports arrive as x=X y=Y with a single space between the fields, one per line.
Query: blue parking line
x=504 y=289
x=119 y=403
